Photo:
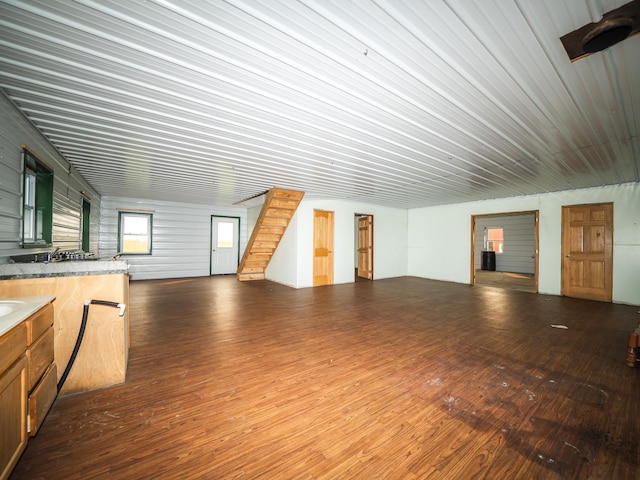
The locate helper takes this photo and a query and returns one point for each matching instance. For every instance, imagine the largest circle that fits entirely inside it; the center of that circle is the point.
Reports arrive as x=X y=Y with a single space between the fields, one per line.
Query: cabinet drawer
x=39 y=322
x=40 y=356
x=12 y=345
x=42 y=398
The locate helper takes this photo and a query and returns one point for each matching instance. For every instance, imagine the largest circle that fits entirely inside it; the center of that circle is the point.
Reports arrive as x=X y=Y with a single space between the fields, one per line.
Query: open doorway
x=363 y=247
x=504 y=250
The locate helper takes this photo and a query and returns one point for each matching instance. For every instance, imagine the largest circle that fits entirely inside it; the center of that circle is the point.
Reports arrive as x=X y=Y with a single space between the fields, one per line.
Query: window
x=134 y=233
x=86 y=225
x=225 y=235
x=37 y=207
x=495 y=240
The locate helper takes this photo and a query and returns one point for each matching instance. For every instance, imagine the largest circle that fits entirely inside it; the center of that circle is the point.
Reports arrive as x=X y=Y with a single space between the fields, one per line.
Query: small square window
x=134 y=233
x=225 y=235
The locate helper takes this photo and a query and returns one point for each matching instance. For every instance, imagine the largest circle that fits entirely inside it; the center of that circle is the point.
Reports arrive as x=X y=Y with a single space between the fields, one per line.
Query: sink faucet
x=51 y=254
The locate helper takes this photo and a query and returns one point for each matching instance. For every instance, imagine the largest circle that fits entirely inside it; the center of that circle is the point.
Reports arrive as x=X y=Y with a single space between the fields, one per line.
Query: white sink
x=15 y=310
x=10 y=306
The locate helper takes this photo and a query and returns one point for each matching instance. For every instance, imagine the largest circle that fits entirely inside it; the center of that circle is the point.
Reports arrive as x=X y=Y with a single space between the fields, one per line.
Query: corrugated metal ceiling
x=404 y=103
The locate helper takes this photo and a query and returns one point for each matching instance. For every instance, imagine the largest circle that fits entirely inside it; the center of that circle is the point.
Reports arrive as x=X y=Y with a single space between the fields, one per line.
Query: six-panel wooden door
x=587 y=251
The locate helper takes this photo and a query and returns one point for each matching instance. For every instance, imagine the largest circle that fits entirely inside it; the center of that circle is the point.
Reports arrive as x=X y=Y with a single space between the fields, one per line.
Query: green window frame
x=37 y=204
x=135 y=233
x=85 y=225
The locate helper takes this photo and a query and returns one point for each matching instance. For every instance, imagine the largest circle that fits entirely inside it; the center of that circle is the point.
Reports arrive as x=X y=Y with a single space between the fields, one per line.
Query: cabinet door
x=13 y=415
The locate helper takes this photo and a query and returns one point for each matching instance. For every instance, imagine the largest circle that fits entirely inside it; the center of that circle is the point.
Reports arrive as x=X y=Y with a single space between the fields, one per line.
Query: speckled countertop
x=12 y=271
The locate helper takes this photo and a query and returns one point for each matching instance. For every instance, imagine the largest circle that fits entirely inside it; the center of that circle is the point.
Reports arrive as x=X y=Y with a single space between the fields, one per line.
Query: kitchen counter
x=20 y=309
x=102 y=360
x=12 y=271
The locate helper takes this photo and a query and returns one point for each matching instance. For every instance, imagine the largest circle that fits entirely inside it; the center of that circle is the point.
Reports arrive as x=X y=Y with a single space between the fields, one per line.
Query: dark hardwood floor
x=394 y=379
x=510 y=280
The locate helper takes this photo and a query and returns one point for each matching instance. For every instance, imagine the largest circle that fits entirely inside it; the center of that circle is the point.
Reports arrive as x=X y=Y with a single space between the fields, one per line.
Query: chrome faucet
x=51 y=254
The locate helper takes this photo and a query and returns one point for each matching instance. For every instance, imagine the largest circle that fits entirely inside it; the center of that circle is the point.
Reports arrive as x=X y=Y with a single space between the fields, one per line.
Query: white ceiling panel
x=404 y=103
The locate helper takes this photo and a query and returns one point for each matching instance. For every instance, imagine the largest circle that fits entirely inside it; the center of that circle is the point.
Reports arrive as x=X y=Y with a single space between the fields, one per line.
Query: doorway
x=322 y=247
x=225 y=245
x=504 y=250
x=587 y=251
x=364 y=247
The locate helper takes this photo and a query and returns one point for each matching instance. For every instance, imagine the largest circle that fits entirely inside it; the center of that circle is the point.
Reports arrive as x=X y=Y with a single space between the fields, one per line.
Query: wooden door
x=322 y=247
x=587 y=251
x=365 y=247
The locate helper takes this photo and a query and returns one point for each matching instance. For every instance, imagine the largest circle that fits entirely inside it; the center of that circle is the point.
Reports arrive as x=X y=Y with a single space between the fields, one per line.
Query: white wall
x=439 y=238
x=181 y=236
x=292 y=264
x=283 y=267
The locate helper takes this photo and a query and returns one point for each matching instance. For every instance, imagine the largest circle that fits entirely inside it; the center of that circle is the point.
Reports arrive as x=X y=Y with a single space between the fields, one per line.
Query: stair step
x=262 y=251
x=279 y=213
x=268 y=237
x=256 y=262
x=244 y=277
x=262 y=244
x=271 y=230
x=287 y=194
x=247 y=269
x=285 y=203
x=275 y=222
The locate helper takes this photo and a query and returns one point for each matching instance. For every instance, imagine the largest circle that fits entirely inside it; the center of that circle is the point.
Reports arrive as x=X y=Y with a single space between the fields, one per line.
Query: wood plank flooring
x=513 y=281
x=401 y=378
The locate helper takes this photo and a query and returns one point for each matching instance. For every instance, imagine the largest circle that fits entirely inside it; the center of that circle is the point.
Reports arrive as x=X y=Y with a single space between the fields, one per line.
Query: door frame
x=211 y=241
x=536 y=236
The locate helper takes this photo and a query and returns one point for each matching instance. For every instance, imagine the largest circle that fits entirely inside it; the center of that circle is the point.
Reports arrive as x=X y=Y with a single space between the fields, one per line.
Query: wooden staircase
x=277 y=211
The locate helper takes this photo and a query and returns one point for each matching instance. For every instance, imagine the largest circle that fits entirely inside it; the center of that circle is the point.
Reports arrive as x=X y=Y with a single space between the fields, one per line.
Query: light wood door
x=365 y=247
x=587 y=251
x=322 y=247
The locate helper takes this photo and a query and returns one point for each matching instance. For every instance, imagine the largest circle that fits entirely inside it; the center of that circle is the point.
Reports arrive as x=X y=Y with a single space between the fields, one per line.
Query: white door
x=225 y=245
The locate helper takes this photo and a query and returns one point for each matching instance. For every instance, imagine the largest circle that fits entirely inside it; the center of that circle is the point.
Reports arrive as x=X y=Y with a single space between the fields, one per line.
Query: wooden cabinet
x=13 y=398
x=27 y=384
x=41 y=371
x=102 y=360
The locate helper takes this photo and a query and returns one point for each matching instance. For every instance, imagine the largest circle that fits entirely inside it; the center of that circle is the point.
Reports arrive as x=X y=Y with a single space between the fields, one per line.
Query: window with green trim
x=85 y=225
x=37 y=208
x=135 y=233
